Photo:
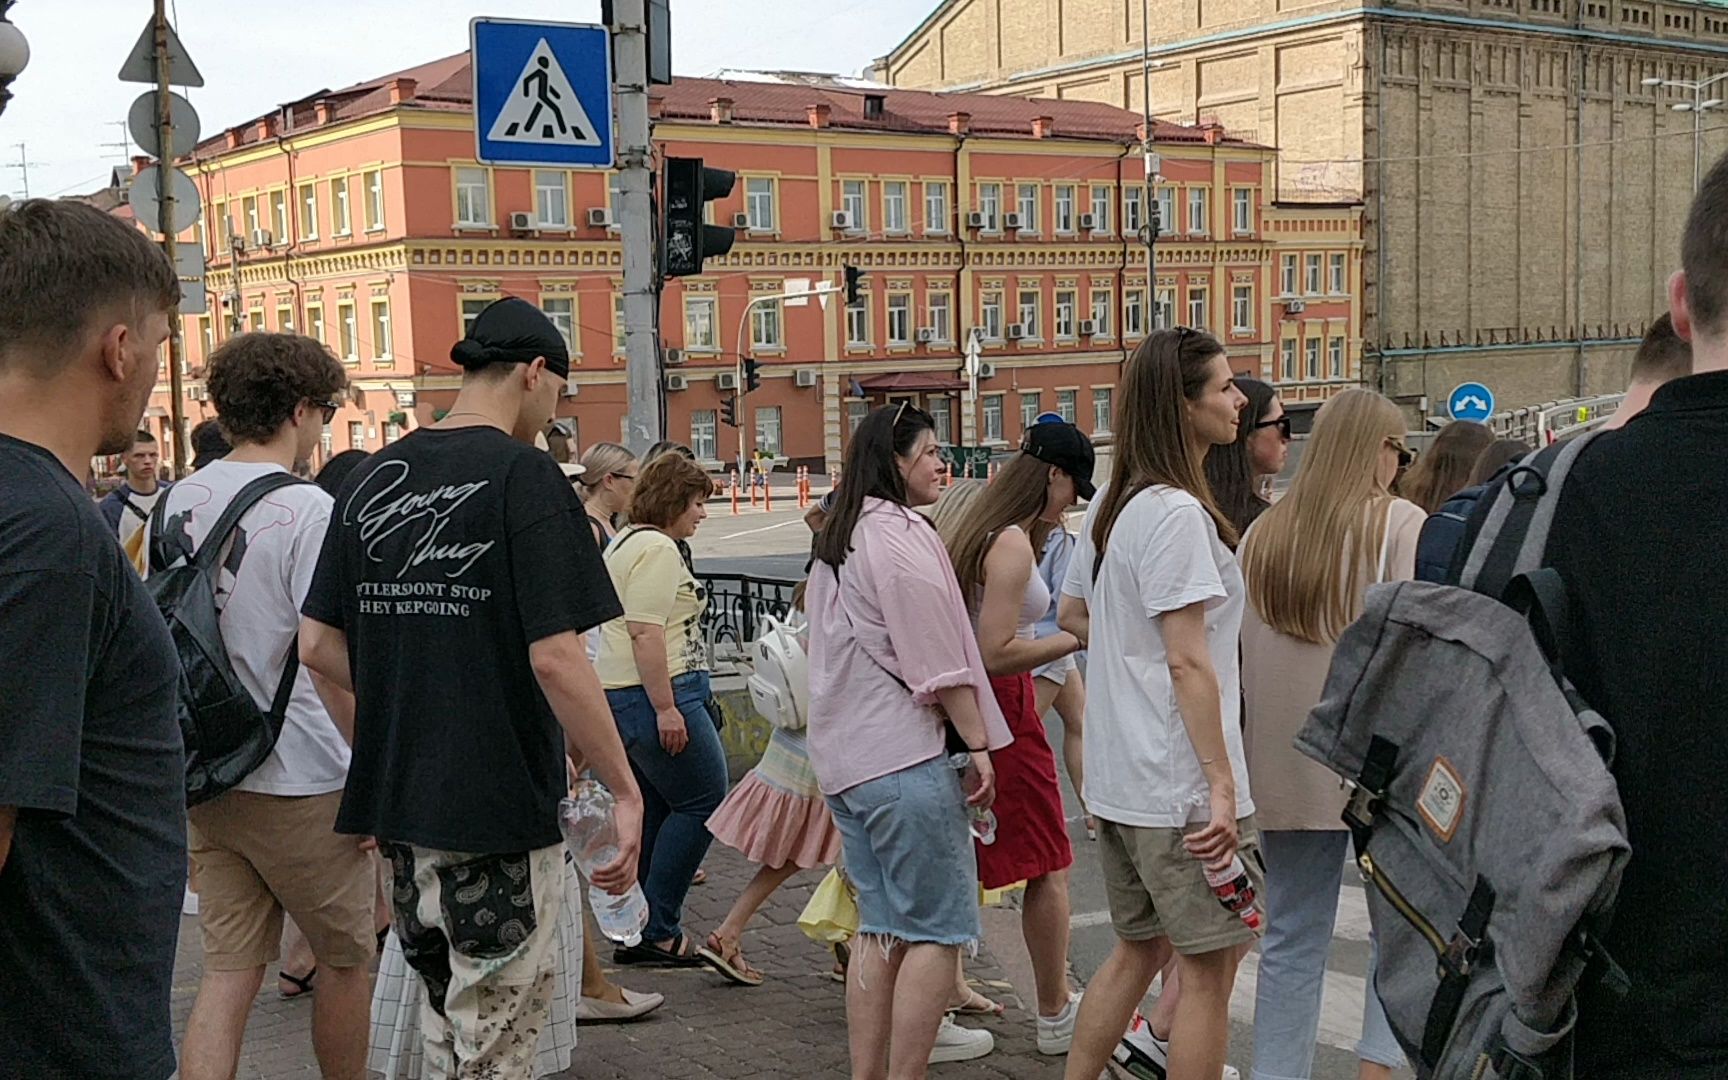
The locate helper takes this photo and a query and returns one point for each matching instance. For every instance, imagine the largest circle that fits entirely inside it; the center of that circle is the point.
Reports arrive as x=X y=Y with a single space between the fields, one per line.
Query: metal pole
x=165 y=198
x=642 y=422
x=1697 y=131
x=1150 y=162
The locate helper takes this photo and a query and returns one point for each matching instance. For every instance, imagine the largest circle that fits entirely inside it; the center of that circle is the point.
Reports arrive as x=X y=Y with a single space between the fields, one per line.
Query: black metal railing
x=736 y=606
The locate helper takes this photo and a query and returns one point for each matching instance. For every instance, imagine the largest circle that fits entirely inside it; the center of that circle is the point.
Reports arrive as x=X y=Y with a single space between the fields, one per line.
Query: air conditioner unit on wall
x=843 y=219
x=986 y=371
x=740 y=221
x=1016 y=331
x=676 y=381
x=926 y=335
x=1088 y=221
x=600 y=217
x=726 y=380
x=974 y=220
x=261 y=238
x=674 y=356
x=1295 y=307
x=804 y=377
x=1088 y=328
x=1011 y=221
x=521 y=221
x=570 y=389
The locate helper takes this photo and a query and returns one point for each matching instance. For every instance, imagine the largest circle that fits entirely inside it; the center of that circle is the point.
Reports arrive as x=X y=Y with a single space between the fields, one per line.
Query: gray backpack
x=1485 y=821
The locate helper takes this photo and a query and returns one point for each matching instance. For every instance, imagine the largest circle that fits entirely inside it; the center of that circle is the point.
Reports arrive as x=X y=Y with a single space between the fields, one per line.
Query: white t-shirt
x=130 y=523
x=1164 y=554
x=262 y=583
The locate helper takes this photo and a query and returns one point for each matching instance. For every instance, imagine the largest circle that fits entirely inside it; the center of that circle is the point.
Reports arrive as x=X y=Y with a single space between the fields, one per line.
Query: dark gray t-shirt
x=90 y=754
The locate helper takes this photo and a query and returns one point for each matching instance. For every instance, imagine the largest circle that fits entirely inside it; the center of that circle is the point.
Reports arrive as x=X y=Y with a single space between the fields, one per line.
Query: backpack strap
x=1369 y=790
x=1514 y=535
x=1467 y=948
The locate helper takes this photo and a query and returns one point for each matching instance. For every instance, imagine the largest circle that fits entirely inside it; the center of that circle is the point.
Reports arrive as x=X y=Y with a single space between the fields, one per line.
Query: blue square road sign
x=542 y=93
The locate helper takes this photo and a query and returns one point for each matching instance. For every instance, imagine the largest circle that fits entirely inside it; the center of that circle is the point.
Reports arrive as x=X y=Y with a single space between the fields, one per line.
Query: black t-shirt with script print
x=448 y=554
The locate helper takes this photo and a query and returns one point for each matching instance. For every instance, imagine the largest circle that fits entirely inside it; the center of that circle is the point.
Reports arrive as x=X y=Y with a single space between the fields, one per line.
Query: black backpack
x=226 y=734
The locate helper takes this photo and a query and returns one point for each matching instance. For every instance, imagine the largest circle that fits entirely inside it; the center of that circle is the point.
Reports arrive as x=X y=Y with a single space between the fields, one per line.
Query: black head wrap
x=512 y=331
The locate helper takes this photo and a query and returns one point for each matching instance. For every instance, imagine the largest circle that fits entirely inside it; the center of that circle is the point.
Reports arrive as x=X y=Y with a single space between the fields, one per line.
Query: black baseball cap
x=1063 y=445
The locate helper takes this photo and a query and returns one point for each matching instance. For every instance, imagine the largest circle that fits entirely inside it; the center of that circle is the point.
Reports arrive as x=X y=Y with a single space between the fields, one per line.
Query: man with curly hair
x=269 y=845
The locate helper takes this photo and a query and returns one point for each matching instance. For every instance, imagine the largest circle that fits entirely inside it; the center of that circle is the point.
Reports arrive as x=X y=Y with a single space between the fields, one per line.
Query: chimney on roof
x=959 y=123
x=233 y=138
x=1043 y=127
x=402 y=90
x=720 y=110
x=874 y=105
x=656 y=107
x=323 y=111
x=140 y=162
x=1214 y=133
x=266 y=128
x=818 y=114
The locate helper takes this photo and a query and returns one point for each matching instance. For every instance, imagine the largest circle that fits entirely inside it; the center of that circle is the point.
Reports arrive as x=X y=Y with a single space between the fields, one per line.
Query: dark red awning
x=908 y=381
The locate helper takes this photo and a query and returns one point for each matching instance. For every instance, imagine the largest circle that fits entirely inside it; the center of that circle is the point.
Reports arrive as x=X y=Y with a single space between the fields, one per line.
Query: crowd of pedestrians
x=443 y=635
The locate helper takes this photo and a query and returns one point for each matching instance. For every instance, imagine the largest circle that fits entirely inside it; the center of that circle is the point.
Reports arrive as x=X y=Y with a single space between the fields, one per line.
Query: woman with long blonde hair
x=1308 y=561
x=608 y=477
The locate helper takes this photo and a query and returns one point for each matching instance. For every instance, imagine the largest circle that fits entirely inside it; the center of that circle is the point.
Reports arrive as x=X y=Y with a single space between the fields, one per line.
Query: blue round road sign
x=1471 y=401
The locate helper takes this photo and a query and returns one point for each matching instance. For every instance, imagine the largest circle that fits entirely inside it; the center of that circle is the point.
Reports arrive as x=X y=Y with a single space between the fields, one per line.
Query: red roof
x=446 y=85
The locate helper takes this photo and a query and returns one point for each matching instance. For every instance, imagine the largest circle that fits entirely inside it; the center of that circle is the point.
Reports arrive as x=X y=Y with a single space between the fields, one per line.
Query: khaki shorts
x=1156 y=889
x=257 y=856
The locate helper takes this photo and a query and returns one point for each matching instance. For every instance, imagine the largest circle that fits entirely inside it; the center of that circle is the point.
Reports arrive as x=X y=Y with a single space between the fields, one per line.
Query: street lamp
x=14 y=54
x=1698 y=106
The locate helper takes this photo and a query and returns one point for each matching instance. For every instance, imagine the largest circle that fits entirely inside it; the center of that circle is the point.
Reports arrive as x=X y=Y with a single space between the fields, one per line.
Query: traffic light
x=729 y=410
x=854 y=281
x=686 y=240
x=752 y=374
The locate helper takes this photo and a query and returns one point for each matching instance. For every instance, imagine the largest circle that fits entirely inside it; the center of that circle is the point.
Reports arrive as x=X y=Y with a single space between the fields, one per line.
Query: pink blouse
x=894 y=612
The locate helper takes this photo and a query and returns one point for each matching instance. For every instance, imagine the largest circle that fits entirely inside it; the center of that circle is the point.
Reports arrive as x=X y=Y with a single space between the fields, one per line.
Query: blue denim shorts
x=910 y=856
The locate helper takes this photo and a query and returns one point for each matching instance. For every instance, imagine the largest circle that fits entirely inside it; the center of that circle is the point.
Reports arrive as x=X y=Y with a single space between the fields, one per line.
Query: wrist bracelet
x=985 y=749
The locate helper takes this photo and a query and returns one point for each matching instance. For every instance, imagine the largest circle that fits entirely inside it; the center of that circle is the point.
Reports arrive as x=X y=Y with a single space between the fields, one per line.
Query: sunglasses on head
x=1282 y=424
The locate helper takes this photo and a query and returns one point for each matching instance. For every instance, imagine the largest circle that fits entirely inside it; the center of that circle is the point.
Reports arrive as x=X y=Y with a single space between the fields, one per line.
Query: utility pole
x=642 y=421
x=165 y=196
x=1149 y=218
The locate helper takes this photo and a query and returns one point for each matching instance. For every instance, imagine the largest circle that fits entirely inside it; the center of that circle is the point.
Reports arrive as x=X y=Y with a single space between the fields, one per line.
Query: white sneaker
x=955 y=1043
x=1145 y=1055
x=1056 y=1033
x=189 y=906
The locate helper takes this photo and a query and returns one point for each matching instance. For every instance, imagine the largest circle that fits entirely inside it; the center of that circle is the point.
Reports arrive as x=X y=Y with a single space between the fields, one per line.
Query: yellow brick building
x=1524 y=190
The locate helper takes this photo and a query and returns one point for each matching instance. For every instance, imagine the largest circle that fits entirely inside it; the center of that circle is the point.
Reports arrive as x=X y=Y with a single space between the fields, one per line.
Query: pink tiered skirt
x=777 y=814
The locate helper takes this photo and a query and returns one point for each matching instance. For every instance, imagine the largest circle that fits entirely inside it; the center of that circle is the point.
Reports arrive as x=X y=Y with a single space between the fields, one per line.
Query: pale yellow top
x=655 y=586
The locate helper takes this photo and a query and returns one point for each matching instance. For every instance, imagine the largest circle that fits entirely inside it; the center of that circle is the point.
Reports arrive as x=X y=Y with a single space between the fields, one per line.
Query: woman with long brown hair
x=1444 y=468
x=994 y=548
x=1308 y=562
x=1154 y=592
x=1239 y=470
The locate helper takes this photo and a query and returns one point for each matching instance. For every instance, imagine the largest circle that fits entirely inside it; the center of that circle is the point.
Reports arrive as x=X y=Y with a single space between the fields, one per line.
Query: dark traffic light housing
x=729 y=410
x=686 y=240
x=752 y=374
x=854 y=282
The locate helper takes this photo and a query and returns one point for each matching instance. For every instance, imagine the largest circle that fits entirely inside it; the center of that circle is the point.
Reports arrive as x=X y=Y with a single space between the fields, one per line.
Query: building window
x=852 y=201
x=759 y=203
x=1031 y=404
x=279 y=216
x=1335 y=357
x=348 y=327
x=374 y=183
x=704 y=435
x=992 y=417
x=620 y=332
x=1132 y=206
x=1065 y=404
x=942 y=411
x=561 y=310
x=1063 y=216
x=1166 y=211
x=768 y=430
x=1134 y=313
x=327 y=442
x=1336 y=271
x=1311 y=275
x=207 y=335
x=935 y=207
x=1065 y=314
x=1026 y=205
x=894 y=206
x=315 y=322
x=551 y=199
x=941 y=316
x=1287 y=353
x=1197 y=211
x=700 y=334
x=1242 y=309
x=1197 y=307
x=990 y=315
x=224 y=228
x=308 y=212
x=471 y=310
x=382 y=345
x=1029 y=313
x=392 y=432
x=990 y=206
x=858 y=323
x=473 y=196
x=284 y=318
x=856 y=411
x=356 y=434
x=1102 y=302
x=341 y=220
x=1164 y=309
x=1100 y=209
x=249 y=207
x=1101 y=410
x=765 y=326
x=900 y=319
x=1311 y=353
x=1242 y=210
x=1287 y=276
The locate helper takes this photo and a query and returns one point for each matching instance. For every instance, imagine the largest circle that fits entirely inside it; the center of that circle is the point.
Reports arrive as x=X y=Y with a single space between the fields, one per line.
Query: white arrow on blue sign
x=1471 y=401
x=542 y=93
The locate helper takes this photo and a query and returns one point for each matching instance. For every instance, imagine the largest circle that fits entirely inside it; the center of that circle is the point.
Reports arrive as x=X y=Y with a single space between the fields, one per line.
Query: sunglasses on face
x=329 y=408
x=1282 y=424
x=1406 y=456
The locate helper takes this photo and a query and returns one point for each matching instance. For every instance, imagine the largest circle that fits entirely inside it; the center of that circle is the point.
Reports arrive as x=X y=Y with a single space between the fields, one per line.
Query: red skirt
x=1031 y=826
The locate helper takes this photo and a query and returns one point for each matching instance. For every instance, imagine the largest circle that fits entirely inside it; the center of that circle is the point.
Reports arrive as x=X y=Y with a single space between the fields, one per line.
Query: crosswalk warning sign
x=543 y=107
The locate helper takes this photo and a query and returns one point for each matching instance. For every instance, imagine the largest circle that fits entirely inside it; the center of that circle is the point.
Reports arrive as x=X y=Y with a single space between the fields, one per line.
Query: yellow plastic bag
x=831 y=916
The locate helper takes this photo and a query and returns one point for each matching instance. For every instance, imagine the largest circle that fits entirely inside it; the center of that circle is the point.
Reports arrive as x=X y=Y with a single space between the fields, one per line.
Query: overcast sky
x=255 y=56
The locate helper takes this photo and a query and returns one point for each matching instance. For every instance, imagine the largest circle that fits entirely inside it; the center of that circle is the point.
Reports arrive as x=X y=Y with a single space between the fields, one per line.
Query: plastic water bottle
x=1235 y=891
x=591 y=835
x=980 y=821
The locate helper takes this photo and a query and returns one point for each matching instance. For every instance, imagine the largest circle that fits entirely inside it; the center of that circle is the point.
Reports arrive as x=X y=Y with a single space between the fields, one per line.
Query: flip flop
x=648 y=954
x=730 y=964
x=977 y=1004
x=302 y=984
x=842 y=957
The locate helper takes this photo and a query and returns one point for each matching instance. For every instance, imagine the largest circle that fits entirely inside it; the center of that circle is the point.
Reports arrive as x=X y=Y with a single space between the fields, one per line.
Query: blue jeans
x=1303 y=872
x=678 y=794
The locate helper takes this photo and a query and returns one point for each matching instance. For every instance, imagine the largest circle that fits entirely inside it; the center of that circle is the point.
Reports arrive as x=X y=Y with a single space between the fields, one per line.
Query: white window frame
x=1311 y=359
x=1064 y=324
x=1021 y=307
x=693 y=341
x=1134 y=313
x=309 y=211
x=1100 y=208
x=1335 y=357
x=348 y=330
x=705 y=434
x=1102 y=300
x=315 y=321
x=1287 y=359
x=1164 y=307
x=373 y=181
x=1242 y=309
x=1068 y=405
x=1166 y=211
x=940 y=315
x=473 y=196
x=1026 y=205
x=858 y=323
x=856 y=411
x=561 y=310
x=1312 y=268
x=1133 y=213
x=1031 y=407
x=895 y=219
x=466 y=318
x=1242 y=210
x=1102 y=396
x=341 y=213
x=383 y=333
x=899 y=312
x=990 y=206
x=992 y=417
x=1199 y=218
x=936 y=212
x=551 y=193
x=279 y=215
x=1338 y=273
x=767 y=326
x=1199 y=304
x=1062 y=210
x=770 y=431
x=990 y=314
x=760 y=203
x=1289 y=274
x=855 y=200
x=357 y=434
x=941 y=410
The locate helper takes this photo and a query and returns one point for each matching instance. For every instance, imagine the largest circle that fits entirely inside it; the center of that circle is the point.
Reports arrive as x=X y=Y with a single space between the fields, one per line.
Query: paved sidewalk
x=793 y=1026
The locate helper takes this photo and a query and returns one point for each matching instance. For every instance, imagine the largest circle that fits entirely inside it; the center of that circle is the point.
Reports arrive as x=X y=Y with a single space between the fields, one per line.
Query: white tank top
x=1033 y=606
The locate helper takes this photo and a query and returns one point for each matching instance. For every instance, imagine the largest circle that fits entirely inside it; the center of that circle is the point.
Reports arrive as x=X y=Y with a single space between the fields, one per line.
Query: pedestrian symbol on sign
x=544 y=107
